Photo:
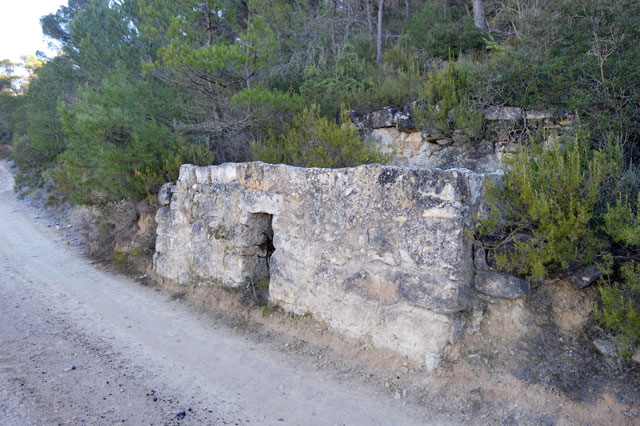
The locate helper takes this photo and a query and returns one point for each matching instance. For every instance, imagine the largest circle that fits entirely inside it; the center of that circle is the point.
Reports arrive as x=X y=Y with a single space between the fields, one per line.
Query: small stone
x=181 y=414
x=164 y=195
x=584 y=276
x=405 y=393
x=636 y=356
x=458 y=136
x=429 y=136
x=444 y=141
x=397 y=395
x=70 y=368
x=480 y=257
x=606 y=349
x=501 y=285
x=539 y=115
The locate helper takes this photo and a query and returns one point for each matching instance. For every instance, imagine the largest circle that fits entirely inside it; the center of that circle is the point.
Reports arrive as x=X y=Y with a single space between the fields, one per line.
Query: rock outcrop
x=375 y=251
x=394 y=131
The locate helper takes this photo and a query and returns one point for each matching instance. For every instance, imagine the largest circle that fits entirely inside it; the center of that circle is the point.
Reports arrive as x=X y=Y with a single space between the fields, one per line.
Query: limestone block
x=203 y=175
x=503 y=114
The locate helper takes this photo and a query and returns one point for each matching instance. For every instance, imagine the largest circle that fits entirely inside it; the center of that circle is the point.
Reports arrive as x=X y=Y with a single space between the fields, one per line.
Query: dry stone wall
x=394 y=131
x=378 y=252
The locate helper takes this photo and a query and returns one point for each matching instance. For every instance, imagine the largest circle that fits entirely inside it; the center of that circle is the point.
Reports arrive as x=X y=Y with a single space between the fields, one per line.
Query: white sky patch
x=20 y=31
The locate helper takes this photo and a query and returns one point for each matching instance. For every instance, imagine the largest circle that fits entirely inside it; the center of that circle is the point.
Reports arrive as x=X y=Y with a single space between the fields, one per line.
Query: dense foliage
x=547 y=206
x=141 y=86
x=314 y=141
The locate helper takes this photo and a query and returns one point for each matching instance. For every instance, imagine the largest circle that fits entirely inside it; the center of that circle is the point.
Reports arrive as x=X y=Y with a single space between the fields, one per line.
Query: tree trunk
x=379 y=41
x=367 y=6
x=478 y=15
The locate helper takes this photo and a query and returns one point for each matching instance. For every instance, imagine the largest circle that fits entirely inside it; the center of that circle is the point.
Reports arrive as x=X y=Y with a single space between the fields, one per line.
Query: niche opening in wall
x=262 y=232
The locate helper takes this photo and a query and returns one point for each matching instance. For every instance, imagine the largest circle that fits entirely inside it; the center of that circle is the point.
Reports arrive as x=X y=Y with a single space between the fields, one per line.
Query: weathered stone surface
x=403 y=120
x=539 y=115
x=383 y=117
x=584 y=276
x=424 y=150
x=636 y=356
x=501 y=285
x=375 y=251
x=607 y=350
x=164 y=195
x=480 y=257
x=394 y=131
x=503 y=114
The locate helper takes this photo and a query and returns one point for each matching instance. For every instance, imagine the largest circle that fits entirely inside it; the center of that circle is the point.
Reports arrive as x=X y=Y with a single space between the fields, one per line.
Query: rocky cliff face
x=375 y=251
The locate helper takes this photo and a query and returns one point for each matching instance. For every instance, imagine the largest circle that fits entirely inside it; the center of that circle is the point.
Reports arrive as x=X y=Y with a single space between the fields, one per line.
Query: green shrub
x=442 y=31
x=620 y=309
x=313 y=141
x=362 y=85
x=342 y=83
x=268 y=105
x=397 y=81
x=550 y=194
x=127 y=262
x=622 y=222
x=38 y=133
x=449 y=105
x=119 y=145
x=184 y=153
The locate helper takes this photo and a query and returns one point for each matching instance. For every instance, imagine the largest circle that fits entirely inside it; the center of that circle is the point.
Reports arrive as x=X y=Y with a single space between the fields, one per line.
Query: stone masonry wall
x=379 y=252
x=393 y=131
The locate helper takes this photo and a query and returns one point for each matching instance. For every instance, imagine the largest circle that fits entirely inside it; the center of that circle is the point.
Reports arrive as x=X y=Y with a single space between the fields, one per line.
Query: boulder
x=500 y=285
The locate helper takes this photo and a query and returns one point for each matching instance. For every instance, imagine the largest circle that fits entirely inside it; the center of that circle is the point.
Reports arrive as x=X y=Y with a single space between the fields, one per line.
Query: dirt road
x=81 y=346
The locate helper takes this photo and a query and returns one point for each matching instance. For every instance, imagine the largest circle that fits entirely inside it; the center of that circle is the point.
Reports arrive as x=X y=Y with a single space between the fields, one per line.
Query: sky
x=20 y=32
